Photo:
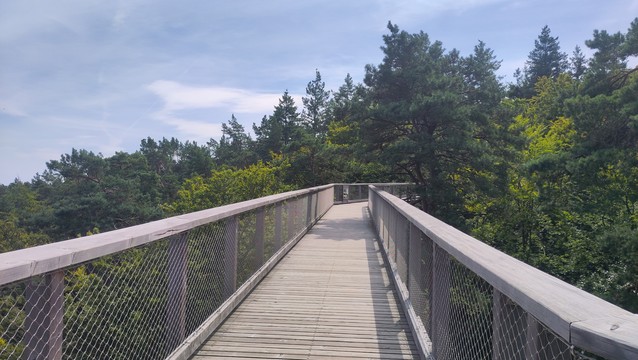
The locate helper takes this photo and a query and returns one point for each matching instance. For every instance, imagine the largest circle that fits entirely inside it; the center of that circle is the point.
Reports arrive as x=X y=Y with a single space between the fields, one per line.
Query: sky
x=103 y=75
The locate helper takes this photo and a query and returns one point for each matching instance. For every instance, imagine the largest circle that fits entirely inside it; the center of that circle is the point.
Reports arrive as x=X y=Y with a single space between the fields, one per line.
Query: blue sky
x=102 y=75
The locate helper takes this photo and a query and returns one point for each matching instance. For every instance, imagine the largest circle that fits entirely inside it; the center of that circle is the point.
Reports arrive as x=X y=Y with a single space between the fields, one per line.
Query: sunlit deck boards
x=330 y=297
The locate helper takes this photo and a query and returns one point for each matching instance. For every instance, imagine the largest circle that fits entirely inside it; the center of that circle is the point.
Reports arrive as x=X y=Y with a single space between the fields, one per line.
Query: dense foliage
x=544 y=169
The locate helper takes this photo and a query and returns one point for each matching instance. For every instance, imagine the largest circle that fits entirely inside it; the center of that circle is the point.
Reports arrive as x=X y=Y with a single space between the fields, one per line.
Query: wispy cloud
x=179 y=98
x=199 y=131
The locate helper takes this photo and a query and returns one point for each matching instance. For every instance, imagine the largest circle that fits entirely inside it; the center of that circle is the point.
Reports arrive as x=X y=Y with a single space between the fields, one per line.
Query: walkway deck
x=330 y=297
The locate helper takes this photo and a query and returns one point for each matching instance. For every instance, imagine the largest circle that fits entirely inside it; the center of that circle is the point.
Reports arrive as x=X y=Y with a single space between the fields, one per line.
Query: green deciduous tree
x=227 y=186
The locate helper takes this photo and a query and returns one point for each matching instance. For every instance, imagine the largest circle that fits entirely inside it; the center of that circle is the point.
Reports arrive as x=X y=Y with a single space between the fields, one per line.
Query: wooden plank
x=268 y=342
x=330 y=297
x=176 y=302
x=611 y=337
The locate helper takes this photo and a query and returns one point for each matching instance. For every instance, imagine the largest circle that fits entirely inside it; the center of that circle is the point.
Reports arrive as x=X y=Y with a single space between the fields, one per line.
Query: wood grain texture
x=330 y=297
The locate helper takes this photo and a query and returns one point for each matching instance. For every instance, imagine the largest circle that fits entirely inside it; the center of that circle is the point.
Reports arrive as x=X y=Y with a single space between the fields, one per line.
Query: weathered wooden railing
x=151 y=291
x=467 y=300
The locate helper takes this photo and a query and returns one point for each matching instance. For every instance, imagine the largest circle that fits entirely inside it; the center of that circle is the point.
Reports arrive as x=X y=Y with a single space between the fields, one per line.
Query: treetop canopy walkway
x=314 y=273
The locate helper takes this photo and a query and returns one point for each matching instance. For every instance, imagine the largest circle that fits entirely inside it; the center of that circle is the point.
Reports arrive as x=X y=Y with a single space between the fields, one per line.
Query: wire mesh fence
x=463 y=315
x=141 y=303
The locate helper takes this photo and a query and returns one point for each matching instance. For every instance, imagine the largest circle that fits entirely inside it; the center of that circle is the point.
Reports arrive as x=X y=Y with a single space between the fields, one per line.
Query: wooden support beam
x=278 y=226
x=441 y=278
x=414 y=270
x=177 y=283
x=44 y=321
x=230 y=256
x=260 y=217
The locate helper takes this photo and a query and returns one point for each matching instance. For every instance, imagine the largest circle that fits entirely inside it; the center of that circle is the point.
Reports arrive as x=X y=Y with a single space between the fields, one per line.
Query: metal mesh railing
x=344 y=193
x=144 y=301
x=466 y=316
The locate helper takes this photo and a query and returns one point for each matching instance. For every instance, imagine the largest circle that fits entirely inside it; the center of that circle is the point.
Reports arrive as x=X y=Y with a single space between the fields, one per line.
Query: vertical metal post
x=427 y=263
x=290 y=218
x=278 y=226
x=440 y=303
x=414 y=271
x=230 y=256
x=532 y=338
x=260 y=217
x=177 y=283
x=309 y=209
x=45 y=317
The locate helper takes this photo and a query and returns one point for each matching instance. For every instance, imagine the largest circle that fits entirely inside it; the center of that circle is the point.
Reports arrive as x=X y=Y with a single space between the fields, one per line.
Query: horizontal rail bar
x=581 y=318
x=22 y=264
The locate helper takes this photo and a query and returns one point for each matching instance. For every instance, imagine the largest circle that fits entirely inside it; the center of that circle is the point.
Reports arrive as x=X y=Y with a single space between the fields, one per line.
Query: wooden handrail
x=22 y=264
x=581 y=318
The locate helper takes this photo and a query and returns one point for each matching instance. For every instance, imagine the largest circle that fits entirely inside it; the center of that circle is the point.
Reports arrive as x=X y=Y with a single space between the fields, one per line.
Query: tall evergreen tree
x=235 y=147
x=546 y=60
x=421 y=120
x=577 y=64
x=315 y=104
x=276 y=132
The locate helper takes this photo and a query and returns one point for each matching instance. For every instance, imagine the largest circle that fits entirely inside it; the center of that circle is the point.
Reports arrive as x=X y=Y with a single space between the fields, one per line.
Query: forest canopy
x=544 y=168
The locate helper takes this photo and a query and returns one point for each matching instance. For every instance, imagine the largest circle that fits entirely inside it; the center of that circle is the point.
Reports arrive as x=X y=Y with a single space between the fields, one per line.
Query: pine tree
x=277 y=131
x=577 y=64
x=315 y=104
x=546 y=60
x=425 y=115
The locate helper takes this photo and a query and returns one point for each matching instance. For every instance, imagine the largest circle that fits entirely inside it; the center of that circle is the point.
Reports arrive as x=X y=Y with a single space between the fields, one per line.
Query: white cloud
x=199 y=131
x=177 y=97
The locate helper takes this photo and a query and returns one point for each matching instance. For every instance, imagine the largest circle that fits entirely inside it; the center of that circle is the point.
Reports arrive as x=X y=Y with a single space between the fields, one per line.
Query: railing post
x=45 y=317
x=414 y=271
x=230 y=256
x=177 y=283
x=440 y=303
x=278 y=226
x=260 y=217
x=428 y=260
x=346 y=193
x=290 y=219
x=309 y=209
x=532 y=338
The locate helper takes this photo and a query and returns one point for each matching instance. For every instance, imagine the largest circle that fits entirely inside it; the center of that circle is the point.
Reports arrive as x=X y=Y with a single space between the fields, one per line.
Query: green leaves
x=229 y=185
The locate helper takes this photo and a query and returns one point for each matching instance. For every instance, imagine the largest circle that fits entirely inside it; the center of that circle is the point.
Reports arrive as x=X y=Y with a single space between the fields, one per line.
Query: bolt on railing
x=467 y=300
x=150 y=291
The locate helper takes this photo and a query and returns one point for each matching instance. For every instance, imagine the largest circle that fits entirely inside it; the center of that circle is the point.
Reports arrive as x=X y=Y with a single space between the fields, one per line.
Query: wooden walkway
x=330 y=297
